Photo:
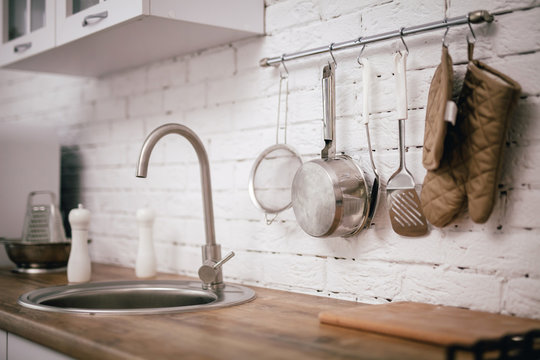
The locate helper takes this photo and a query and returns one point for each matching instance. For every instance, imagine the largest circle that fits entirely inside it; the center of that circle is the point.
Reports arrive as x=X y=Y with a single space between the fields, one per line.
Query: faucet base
x=213 y=253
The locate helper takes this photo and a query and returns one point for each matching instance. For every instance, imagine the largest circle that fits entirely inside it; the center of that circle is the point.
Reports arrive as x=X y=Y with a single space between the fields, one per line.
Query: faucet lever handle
x=209 y=270
x=220 y=263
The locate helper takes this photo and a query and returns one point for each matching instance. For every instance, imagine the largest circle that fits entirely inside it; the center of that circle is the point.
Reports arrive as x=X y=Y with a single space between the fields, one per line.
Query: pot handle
x=329 y=111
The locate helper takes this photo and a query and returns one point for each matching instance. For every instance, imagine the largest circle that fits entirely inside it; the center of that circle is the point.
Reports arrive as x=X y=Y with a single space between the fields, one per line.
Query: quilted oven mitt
x=471 y=161
x=440 y=92
x=486 y=100
x=443 y=194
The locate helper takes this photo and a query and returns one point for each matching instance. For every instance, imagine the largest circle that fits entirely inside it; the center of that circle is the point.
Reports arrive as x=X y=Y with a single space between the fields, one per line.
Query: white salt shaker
x=79 y=266
x=145 y=265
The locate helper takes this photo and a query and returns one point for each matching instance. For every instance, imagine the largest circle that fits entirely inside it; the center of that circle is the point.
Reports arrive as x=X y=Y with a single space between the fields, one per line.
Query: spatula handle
x=400 y=71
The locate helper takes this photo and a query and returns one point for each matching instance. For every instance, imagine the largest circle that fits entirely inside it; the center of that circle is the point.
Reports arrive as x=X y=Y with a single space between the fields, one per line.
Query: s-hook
x=403 y=40
x=445 y=44
x=284 y=68
x=470 y=44
x=471 y=30
x=330 y=49
x=359 y=58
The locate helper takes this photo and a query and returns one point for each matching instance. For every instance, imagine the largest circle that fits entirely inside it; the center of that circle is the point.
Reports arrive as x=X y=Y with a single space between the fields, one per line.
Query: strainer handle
x=283 y=78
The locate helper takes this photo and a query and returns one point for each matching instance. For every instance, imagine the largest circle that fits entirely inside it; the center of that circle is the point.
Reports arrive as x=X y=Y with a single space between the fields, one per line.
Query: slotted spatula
x=403 y=202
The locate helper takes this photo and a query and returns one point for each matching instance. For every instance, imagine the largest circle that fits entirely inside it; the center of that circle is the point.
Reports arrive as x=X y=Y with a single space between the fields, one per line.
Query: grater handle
x=32 y=194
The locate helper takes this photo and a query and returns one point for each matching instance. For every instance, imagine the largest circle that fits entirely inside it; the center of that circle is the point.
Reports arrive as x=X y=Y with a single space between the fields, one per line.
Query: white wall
x=230 y=102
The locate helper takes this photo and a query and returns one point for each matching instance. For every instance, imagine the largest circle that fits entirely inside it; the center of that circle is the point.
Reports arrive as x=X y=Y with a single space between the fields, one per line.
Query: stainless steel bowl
x=37 y=257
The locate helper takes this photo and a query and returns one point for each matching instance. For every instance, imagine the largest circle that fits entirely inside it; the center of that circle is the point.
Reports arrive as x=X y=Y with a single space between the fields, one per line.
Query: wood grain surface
x=441 y=325
x=276 y=325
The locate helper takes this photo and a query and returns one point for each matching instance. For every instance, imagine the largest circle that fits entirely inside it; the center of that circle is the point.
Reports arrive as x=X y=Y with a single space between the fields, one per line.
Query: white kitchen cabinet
x=3 y=345
x=28 y=28
x=97 y=37
x=19 y=348
x=78 y=18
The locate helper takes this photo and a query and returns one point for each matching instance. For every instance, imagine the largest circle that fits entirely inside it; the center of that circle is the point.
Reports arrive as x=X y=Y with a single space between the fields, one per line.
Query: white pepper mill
x=79 y=266
x=145 y=265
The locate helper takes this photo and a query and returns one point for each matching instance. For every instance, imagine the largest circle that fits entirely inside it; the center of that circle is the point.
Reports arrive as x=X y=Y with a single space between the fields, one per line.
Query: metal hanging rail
x=474 y=17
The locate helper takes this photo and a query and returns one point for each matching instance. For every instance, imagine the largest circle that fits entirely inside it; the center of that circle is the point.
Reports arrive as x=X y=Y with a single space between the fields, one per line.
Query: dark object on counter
x=472 y=159
x=510 y=347
x=35 y=258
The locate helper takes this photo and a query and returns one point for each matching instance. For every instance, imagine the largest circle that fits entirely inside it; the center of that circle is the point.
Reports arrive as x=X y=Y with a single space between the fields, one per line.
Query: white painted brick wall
x=230 y=101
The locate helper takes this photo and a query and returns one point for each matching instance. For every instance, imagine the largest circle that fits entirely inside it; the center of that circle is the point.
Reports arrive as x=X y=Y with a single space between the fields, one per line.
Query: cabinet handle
x=22 y=47
x=100 y=16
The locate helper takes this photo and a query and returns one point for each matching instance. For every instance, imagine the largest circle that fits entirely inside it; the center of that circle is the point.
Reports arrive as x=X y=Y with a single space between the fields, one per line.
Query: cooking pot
x=330 y=195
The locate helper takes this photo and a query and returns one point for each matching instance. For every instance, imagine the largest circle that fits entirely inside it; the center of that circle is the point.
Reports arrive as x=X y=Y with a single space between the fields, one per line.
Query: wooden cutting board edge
x=341 y=318
x=393 y=330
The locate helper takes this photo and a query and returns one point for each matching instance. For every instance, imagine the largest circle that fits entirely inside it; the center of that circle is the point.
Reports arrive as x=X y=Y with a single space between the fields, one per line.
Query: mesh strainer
x=272 y=174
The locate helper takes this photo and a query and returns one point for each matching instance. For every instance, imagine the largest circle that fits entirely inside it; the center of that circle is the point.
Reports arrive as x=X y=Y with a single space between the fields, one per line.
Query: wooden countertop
x=276 y=325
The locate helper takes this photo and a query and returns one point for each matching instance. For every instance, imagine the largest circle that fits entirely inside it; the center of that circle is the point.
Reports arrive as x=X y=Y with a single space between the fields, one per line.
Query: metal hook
x=471 y=30
x=331 y=47
x=284 y=67
x=270 y=221
x=402 y=40
x=358 y=59
x=445 y=44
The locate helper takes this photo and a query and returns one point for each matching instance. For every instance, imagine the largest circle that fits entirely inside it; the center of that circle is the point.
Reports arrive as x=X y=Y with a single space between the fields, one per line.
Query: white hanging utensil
x=404 y=205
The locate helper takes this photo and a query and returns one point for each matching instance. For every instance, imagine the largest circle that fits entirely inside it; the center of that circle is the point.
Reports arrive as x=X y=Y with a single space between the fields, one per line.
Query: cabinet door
x=3 y=345
x=27 y=28
x=78 y=18
x=22 y=349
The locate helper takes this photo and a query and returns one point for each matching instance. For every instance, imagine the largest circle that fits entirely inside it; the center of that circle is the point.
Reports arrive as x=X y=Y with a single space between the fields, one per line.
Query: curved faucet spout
x=142 y=168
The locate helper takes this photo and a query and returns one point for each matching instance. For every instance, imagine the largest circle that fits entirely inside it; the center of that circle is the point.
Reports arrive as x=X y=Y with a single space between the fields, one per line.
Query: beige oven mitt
x=443 y=194
x=440 y=94
x=488 y=98
x=472 y=158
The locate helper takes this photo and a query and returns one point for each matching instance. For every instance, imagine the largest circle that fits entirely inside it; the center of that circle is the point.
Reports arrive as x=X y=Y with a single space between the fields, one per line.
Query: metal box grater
x=43 y=222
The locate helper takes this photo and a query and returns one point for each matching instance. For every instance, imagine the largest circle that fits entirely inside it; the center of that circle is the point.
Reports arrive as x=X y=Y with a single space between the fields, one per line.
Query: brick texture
x=231 y=103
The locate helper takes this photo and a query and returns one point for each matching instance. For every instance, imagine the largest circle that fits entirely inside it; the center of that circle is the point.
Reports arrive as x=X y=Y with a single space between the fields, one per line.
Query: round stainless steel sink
x=134 y=297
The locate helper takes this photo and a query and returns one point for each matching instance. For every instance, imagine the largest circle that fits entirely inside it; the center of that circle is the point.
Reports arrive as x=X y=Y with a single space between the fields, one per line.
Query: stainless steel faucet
x=210 y=273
